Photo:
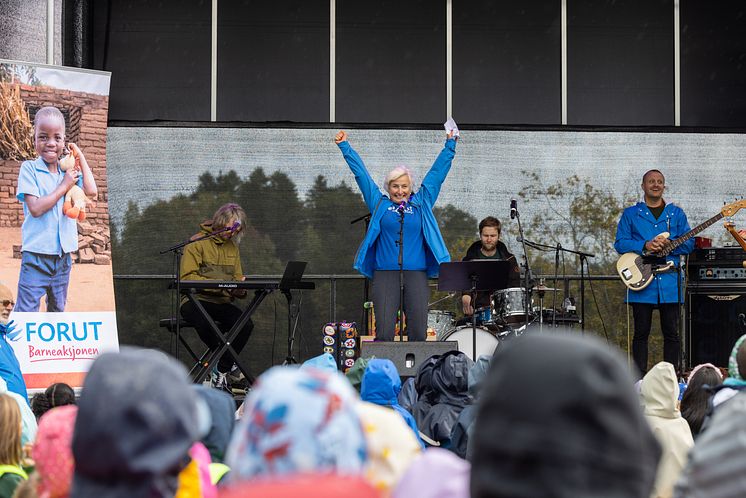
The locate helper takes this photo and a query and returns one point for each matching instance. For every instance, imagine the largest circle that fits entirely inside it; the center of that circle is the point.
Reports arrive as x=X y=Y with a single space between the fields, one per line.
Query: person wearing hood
x=218 y=258
x=297 y=421
x=716 y=467
x=464 y=427
x=52 y=452
x=324 y=361
x=138 y=418
x=443 y=392
x=559 y=418
x=489 y=246
x=660 y=394
x=436 y=473
x=381 y=386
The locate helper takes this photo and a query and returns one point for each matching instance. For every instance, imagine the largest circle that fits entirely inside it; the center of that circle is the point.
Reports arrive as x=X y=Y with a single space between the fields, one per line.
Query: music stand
x=291 y=279
x=473 y=276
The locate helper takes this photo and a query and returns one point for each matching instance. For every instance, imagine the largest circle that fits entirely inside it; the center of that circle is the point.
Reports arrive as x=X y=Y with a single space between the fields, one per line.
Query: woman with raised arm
x=423 y=245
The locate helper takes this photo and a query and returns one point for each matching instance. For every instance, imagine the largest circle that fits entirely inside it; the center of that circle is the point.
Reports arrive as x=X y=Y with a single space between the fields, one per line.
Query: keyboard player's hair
x=226 y=215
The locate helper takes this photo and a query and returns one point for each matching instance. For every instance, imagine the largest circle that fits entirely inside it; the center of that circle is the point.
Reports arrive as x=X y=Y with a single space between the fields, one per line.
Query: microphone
x=513 y=208
x=401 y=207
x=519 y=238
x=235 y=227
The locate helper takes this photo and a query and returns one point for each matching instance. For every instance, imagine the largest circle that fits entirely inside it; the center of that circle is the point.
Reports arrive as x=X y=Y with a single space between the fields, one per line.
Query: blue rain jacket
x=636 y=226
x=435 y=250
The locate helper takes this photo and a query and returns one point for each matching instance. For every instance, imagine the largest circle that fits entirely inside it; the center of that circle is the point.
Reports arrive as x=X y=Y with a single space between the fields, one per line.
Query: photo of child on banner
x=55 y=241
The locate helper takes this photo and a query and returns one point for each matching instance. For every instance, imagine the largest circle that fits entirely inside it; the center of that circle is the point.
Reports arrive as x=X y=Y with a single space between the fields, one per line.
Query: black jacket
x=514 y=277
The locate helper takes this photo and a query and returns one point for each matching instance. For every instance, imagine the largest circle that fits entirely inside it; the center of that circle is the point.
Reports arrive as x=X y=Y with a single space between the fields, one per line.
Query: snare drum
x=486 y=341
x=440 y=321
x=509 y=305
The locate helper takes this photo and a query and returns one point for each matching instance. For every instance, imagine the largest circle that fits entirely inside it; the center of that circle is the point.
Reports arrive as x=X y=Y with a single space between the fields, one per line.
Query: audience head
x=716 y=467
x=559 y=417
x=28 y=421
x=11 y=452
x=58 y=394
x=737 y=360
x=137 y=419
x=52 y=452
x=297 y=421
x=6 y=304
x=381 y=382
x=660 y=391
x=324 y=361
x=436 y=473
x=222 y=420
x=695 y=402
x=392 y=445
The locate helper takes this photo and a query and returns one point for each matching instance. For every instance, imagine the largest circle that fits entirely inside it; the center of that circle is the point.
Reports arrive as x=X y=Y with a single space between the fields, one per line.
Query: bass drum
x=486 y=340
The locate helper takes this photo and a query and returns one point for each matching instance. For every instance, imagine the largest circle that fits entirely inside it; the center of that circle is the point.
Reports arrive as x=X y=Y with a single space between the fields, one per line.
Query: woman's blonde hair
x=398 y=172
x=11 y=452
x=226 y=215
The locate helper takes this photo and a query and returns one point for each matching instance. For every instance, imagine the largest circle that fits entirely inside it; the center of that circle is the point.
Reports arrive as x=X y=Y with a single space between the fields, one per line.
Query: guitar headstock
x=733 y=207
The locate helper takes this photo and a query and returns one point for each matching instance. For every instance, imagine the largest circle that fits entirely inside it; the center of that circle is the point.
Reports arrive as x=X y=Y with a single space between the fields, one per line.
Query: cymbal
x=542 y=288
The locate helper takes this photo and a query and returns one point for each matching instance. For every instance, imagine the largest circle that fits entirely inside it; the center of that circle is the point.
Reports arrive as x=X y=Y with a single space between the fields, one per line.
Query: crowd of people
x=550 y=415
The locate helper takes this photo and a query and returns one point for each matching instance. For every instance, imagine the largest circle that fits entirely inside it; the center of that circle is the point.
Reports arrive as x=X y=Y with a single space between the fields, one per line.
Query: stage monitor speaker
x=713 y=325
x=405 y=355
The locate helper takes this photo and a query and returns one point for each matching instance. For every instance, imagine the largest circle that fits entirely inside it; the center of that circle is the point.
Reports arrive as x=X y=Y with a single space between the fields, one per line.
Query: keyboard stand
x=207 y=364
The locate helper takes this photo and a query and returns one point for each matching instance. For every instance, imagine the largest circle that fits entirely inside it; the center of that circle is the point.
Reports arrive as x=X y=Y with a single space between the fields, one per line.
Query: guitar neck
x=688 y=235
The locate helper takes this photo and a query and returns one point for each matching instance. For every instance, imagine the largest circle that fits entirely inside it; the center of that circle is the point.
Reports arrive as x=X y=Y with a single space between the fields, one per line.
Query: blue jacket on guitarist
x=638 y=226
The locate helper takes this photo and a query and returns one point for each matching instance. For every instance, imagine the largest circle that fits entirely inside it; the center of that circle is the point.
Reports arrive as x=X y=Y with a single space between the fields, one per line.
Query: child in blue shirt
x=48 y=236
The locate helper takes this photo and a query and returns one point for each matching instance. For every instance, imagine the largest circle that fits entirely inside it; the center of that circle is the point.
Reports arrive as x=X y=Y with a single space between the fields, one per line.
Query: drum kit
x=505 y=319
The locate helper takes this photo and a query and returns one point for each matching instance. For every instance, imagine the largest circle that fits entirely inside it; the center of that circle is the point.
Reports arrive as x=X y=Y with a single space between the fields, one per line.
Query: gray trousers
x=385 y=294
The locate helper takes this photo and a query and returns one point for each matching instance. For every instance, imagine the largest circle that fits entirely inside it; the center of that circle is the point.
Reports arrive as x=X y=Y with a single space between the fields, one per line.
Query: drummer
x=488 y=246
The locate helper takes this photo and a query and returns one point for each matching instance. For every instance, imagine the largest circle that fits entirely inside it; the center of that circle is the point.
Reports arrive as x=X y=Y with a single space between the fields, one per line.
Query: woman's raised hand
x=340 y=137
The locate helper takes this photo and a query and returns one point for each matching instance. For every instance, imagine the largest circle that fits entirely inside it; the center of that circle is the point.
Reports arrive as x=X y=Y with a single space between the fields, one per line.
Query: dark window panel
x=713 y=63
x=506 y=62
x=273 y=61
x=391 y=61
x=620 y=62
x=159 y=56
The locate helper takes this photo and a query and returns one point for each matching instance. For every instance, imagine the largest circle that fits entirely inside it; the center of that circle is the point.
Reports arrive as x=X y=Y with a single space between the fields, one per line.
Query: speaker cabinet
x=405 y=355
x=713 y=325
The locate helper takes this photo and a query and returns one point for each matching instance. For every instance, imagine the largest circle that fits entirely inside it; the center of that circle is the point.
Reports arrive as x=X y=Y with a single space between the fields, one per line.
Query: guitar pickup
x=626 y=274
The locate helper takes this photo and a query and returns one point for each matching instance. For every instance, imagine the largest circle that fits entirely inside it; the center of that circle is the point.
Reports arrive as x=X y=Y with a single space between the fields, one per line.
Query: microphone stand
x=583 y=261
x=400 y=242
x=177 y=249
x=366 y=285
x=527 y=278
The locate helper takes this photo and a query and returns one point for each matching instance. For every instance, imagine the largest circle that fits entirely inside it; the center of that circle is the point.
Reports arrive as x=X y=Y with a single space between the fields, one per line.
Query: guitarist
x=639 y=231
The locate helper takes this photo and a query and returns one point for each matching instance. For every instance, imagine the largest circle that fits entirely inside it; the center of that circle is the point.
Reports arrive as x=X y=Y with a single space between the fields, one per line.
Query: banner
x=55 y=262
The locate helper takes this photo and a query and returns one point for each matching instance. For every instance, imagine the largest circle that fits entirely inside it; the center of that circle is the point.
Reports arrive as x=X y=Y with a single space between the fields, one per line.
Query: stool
x=170 y=325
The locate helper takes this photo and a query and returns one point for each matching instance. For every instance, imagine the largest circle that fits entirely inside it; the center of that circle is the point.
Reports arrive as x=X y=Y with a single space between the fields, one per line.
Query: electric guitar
x=637 y=271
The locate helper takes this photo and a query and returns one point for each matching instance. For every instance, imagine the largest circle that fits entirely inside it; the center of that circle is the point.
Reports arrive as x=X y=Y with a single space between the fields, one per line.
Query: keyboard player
x=218 y=258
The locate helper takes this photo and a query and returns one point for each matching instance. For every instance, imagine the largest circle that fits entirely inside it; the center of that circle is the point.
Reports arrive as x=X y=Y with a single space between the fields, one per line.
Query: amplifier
x=717 y=264
x=713 y=323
